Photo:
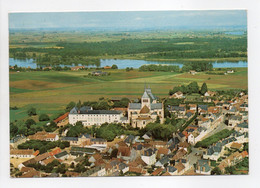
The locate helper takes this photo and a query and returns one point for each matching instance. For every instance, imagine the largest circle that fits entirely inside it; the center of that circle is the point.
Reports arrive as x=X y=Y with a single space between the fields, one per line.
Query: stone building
x=140 y=114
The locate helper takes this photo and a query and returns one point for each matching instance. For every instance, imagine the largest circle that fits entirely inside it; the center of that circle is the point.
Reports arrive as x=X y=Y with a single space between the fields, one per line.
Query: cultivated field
x=50 y=92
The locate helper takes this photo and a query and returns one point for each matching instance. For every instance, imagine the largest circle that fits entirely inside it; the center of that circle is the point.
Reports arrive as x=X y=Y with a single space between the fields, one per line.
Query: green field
x=49 y=92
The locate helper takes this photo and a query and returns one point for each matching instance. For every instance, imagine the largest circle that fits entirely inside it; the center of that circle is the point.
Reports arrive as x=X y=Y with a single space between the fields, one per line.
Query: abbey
x=140 y=114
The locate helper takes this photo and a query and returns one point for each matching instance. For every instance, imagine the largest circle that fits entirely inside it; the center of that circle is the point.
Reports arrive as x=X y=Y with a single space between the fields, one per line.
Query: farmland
x=51 y=91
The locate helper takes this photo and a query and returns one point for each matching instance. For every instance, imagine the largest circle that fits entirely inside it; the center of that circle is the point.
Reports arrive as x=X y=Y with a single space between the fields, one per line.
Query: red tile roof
x=55 y=151
x=61 y=117
x=157 y=172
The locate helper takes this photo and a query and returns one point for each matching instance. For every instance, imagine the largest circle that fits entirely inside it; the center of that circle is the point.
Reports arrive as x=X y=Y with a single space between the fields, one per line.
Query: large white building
x=90 y=117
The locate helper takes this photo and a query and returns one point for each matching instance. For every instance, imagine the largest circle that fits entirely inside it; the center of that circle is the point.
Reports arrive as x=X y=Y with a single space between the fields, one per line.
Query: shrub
x=44 y=117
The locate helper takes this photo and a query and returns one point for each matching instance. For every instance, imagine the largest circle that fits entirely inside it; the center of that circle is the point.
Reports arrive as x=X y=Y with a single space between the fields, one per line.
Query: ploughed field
x=50 y=91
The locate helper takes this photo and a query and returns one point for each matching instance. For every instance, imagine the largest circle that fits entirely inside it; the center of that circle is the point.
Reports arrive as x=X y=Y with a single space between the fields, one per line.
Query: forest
x=177 y=48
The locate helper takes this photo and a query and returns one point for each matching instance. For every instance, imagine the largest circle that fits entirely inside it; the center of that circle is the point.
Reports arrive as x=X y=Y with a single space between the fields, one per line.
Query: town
x=193 y=131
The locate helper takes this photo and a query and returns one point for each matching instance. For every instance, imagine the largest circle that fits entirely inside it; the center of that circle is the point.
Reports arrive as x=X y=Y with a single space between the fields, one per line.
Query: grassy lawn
x=49 y=92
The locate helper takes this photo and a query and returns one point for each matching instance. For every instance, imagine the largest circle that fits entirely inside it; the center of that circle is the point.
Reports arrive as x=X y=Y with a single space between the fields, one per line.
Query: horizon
x=130 y=20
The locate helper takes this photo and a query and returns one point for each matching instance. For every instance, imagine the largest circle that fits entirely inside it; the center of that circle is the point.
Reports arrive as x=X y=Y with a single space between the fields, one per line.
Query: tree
x=29 y=122
x=157 y=119
x=114 y=153
x=204 y=88
x=44 y=117
x=31 y=112
x=193 y=87
x=72 y=165
x=216 y=171
x=114 y=66
x=70 y=106
x=13 y=129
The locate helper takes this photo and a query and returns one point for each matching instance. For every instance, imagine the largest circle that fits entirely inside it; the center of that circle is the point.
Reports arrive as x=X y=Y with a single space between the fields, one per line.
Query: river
x=123 y=63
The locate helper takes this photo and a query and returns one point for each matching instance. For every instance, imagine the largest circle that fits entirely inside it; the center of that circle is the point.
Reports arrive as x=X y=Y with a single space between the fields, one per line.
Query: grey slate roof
x=81 y=151
x=136 y=106
x=171 y=169
x=176 y=108
x=243 y=125
x=145 y=95
x=17 y=138
x=164 y=160
x=69 y=139
x=203 y=107
x=156 y=106
x=61 y=154
x=87 y=110
x=85 y=135
x=204 y=163
x=129 y=139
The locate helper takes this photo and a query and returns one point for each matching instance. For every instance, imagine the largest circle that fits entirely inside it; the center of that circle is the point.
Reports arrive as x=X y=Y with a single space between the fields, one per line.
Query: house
x=23 y=153
x=185 y=162
x=180 y=154
x=72 y=140
x=149 y=156
x=232 y=160
x=192 y=107
x=55 y=151
x=164 y=160
x=124 y=153
x=107 y=67
x=242 y=127
x=147 y=136
x=42 y=157
x=184 y=146
x=17 y=140
x=192 y=72
x=210 y=94
x=177 y=95
x=171 y=170
x=76 y=68
x=244 y=107
x=47 y=161
x=123 y=167
x=237 y=146
x=162 y=151
x=180 y=168
x=95 y=158
x=179 y=111
x=72 y=174
x=99 y=73
x=230 y=71
x=62 y=120
x=157 y=172
x=62 y=155
x=234 y=120
x=42 y=135
x=214 y=152
x=31 y=173
x=203 y=167
x=96 y=171
x=202 y=109
x=26 y=163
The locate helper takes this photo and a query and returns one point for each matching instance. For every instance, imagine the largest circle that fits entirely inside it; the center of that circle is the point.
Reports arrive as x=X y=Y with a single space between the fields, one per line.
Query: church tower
x=145 y=100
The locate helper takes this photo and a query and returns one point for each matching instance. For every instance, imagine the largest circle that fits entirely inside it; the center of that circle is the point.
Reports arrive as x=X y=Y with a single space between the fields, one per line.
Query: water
x=235 y=32
x=123 y=63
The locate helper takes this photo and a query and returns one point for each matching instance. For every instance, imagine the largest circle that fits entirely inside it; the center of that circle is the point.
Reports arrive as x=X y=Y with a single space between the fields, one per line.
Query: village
x=212 y=140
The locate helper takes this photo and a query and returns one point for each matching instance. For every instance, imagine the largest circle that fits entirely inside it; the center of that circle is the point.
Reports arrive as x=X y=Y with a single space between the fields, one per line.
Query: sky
x=129 y=20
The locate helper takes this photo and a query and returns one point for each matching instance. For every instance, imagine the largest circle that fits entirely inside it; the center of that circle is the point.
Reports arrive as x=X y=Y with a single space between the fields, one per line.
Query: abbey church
x=140 y=114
